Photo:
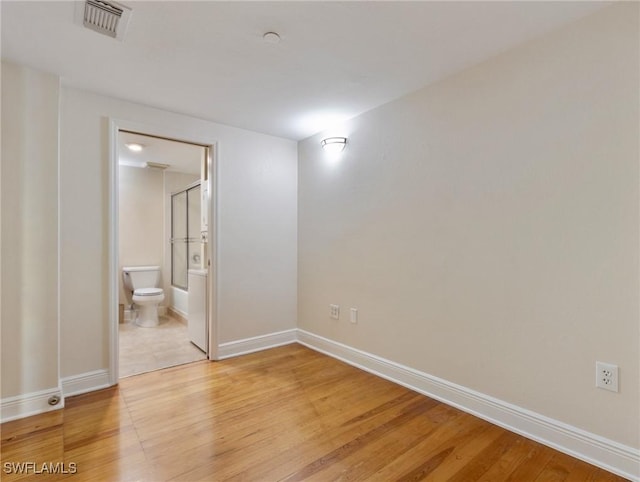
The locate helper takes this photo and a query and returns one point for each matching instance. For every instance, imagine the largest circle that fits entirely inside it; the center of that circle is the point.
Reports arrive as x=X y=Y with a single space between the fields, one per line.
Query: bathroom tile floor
x=147 y=349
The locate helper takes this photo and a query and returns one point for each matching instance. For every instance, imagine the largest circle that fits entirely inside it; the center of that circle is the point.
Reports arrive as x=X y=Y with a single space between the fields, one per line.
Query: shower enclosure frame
x=188 y=239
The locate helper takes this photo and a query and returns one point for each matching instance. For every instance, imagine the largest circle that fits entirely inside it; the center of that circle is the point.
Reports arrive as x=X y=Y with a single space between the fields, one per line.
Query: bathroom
x=160 y=244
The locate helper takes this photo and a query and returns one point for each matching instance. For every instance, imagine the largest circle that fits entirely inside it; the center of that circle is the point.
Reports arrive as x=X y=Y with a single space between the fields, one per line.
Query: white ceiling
x=179 y=156
x=335 y=59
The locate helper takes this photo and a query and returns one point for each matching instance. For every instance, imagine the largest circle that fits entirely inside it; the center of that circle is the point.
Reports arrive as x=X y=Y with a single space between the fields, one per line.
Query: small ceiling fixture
x=132 y=146
x=271 y=38
x=333 y=144
x=156 y=165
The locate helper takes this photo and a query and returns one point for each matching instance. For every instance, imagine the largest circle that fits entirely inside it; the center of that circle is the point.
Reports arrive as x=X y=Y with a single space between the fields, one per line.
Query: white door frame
x=116 y=125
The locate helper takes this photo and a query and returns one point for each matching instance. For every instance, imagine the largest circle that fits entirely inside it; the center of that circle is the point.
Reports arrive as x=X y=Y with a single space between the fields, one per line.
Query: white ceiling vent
x=107 y=18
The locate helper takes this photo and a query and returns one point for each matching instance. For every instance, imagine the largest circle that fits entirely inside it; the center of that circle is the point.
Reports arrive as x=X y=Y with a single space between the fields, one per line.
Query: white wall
x=257 y=186
x=487 y=227
x=29 y=233
x=141 y=221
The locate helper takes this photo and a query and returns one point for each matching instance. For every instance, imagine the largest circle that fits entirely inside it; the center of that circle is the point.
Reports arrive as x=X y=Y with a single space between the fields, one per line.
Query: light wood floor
x=284 y=414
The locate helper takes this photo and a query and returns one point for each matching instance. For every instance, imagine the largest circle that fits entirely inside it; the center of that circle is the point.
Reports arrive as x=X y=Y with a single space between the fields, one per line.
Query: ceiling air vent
x=107 y=18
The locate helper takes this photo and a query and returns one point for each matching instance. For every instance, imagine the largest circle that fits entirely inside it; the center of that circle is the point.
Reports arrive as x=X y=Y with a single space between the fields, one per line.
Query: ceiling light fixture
x=134 y=147
x=333 y=144
x=271 y=38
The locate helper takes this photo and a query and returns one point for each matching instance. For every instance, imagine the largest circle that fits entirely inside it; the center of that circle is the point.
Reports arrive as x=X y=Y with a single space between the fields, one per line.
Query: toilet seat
x=148 y=292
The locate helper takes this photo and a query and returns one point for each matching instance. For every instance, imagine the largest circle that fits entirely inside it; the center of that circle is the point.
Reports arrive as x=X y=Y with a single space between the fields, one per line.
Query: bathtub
x=180 y=301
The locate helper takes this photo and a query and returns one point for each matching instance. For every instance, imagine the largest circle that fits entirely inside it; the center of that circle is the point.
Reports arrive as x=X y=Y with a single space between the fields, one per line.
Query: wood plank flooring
x=285 y=414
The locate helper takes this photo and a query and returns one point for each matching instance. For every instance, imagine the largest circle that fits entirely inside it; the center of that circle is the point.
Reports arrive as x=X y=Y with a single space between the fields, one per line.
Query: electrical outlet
x=607 y=376
x=353 y=315
x=334 y=312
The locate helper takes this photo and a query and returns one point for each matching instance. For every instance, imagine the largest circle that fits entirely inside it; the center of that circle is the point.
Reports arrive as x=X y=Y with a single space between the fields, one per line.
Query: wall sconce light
x=334 y=144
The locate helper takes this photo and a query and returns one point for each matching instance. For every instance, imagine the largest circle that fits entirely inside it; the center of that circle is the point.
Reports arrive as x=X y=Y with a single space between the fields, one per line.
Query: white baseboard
x=594 y=449
x=21 y=406
x=85 y=382
x=172 y=310
x=177 y=315
x=257 y=343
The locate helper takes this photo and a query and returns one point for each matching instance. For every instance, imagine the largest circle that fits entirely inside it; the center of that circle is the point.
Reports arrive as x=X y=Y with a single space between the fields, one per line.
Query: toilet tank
x=141 y=277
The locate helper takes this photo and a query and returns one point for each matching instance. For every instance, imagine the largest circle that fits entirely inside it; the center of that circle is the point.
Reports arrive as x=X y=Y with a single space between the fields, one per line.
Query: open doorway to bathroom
x=163 y=258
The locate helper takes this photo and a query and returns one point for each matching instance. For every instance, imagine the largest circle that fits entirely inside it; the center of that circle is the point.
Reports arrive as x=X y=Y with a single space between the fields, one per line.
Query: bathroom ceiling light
x=333 y=144
x=134 y=147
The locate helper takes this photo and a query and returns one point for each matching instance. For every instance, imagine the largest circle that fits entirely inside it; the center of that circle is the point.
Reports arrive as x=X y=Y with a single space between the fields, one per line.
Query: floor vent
x=107 y=18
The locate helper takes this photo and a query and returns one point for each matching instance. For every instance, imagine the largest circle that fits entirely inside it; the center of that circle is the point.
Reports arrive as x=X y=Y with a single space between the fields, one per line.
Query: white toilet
x=143 y=282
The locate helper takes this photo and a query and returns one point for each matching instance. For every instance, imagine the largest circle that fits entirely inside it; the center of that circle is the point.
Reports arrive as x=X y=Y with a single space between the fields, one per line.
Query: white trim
x=172 y=310
x=59 y=244
x=85 y=382
x=257 y=343
x=113 y=287
x=594 y=449
x=213 y=225
x=21 y=406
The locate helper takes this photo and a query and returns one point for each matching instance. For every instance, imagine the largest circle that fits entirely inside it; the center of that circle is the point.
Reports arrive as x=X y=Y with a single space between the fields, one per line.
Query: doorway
x=144 y=185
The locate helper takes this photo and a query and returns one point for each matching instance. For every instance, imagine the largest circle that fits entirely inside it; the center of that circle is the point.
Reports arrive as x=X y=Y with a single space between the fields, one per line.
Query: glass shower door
x=186 y=245
x=179 y=247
